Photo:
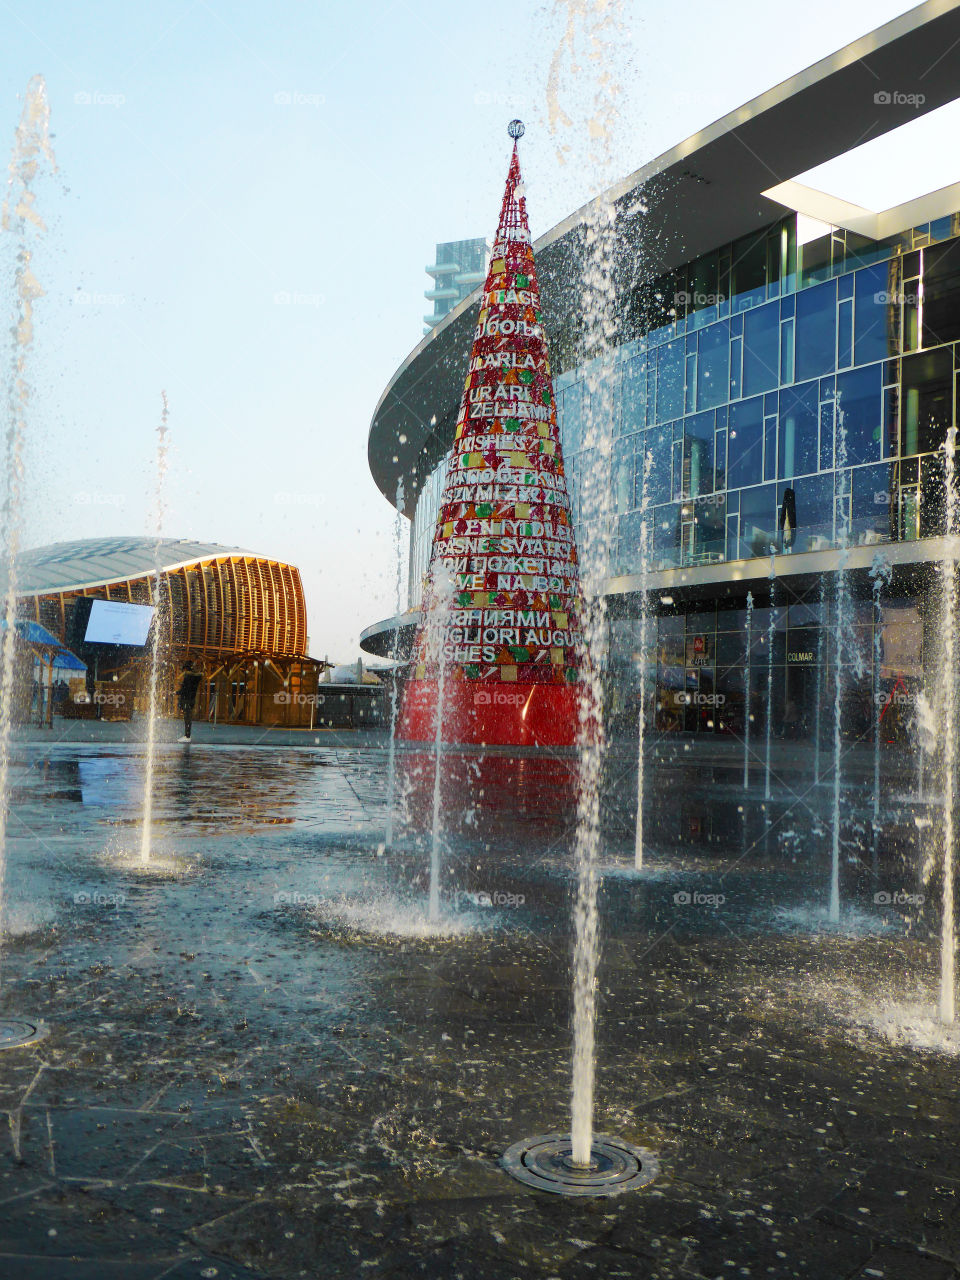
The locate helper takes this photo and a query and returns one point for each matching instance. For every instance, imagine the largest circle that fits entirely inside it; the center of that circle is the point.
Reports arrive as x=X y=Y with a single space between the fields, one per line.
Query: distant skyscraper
x=458 y=270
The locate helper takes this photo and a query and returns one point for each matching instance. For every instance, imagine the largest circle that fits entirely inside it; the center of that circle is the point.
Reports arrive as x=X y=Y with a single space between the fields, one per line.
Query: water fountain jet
x=146 y=830
x=20 y=217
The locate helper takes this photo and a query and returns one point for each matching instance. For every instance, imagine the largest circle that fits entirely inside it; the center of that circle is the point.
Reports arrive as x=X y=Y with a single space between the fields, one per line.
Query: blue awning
x=33 y=633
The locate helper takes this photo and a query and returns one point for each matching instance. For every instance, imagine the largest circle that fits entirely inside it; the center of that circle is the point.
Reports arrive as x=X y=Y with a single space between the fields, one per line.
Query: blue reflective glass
x=670 y=362
x=872 y=314
x=761 y=337
x=710 y=521
x=816 y=333
x=666 y=535
x=659 y=441
x=572 y=418
x=844 y=335
x=798 y=430
x=859 y=402
x=814 y=502
x=872 y=503
x=758 y=520
x=745 y=443
x=698 y=454
x=713 y=371
x=634 y=394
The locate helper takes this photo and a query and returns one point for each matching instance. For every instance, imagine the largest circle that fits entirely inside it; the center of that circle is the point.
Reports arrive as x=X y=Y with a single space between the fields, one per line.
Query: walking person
x=187 y=696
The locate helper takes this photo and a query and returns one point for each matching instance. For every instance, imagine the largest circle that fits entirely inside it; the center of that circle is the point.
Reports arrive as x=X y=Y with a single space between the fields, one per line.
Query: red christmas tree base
x=495 y=715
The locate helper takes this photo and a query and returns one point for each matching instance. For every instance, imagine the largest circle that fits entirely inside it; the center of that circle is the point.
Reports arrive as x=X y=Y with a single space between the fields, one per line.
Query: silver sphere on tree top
x=516 y=129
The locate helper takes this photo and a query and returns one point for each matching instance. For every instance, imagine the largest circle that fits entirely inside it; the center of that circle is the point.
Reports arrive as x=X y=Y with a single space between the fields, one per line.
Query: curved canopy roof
x=90 y=562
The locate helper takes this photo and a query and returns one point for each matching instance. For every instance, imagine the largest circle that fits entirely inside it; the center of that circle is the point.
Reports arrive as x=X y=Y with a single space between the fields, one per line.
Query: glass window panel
x=659 y=442
x=634 y=394
x=941 y=294
x=720 y=460
x=891 y=418
x=799 y=430
x=572 y=418
x=666 y=536
x=623 y=473
x=860 y=412
x=861 y=251
x=877 y=291
x=703 y=287
x=758 y=521
x=815 y=260
x=770 y=447
x=816 y=330
x=745 y=443
x=941 y=228
x=844 y=335
x=736 y=364
x=926 y=400
x=748 y=271
x=712 y=367
x=761 y=335
x=872 y=503
x=814 y=501
x=827 y=422
x=731 y=619
x=709 y=518
x=698 y=454
x=786 y=351
x=670 y=359
x=932 y=494
x=690 y=387
x=788 y=254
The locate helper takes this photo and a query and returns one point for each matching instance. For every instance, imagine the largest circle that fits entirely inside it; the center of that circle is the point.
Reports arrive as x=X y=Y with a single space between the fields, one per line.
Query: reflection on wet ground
x=263 y=1060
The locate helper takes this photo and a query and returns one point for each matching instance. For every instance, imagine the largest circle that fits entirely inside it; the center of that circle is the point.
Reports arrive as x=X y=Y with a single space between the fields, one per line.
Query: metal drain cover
x=546 y=1162
x=16 y=1032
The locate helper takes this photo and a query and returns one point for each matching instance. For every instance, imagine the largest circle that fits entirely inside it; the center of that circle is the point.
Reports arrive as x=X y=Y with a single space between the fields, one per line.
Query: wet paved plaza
x=260 y=1063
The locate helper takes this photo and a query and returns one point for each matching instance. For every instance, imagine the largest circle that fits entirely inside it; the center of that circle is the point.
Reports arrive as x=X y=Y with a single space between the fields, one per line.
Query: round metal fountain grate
x=546 y=1162
x=17 y=1032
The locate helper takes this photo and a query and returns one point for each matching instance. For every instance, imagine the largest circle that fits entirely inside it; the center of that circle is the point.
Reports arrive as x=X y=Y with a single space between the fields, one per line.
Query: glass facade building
x=815 y=377
x=776 y=398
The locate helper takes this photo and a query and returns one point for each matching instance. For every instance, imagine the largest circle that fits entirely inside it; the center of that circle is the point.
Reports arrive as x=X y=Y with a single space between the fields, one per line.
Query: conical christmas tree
x=498 y=645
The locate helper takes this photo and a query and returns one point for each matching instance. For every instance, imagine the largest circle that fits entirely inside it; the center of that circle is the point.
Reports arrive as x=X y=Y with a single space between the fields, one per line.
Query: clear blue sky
x=213 y=156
